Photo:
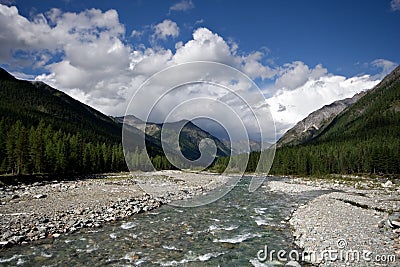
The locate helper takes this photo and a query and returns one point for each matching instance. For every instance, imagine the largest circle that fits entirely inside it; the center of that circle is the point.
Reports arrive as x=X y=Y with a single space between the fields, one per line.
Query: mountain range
x=44 y=129
x=32 y=103
x=189 y=137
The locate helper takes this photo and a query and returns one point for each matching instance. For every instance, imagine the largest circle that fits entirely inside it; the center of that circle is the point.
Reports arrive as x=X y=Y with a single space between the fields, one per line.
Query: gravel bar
x=355 y=223
x=42 y=211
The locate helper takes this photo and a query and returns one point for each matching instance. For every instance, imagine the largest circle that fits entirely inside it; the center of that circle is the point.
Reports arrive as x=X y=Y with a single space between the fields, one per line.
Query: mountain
x=189 y=138
x=363 y=138
x=375 y=115
x=242 y=146
x=44 y=130
x=31 y=102
x=315 y=123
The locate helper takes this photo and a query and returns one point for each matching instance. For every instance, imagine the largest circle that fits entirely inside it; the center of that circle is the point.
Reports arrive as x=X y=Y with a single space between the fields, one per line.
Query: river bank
x=358 y=223
x=360 y=213
x=42 y=211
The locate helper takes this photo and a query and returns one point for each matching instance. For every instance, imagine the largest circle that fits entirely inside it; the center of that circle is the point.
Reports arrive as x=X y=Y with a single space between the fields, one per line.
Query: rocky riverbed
x=349 y=214
x=43 y=211
x=358 y=224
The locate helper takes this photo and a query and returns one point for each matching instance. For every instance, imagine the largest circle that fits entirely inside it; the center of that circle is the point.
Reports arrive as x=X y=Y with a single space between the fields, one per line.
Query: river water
x=228 y=232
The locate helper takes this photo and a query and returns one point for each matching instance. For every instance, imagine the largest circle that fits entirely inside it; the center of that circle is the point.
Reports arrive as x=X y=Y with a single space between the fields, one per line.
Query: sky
x=302 y=54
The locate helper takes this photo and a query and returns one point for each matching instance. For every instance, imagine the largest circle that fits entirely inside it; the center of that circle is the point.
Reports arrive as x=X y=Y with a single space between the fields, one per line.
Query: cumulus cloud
x=254 y=68
x=319 y=88
x=395 y=5
x=206 y=45
x=183 y=5
x=165 y=29
x=296 y=74
x=86 y=55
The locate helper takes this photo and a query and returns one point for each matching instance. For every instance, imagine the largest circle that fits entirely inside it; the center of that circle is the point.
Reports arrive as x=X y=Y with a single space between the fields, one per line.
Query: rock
x=393 y=223
x=18 y=239
x=293 y=264
x=39 y=196
x=396 y=224
x=14 y=196
x=42 y=230
x=56 y=235
x=387 y=184
x=4 y=244
x=228 y=245
x=44 y=220
x=381 y=223
x=78 y=211
x=7 y=235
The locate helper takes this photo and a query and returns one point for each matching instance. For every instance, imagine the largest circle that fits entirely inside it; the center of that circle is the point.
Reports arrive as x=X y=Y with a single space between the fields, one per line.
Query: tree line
x=42 y=149
x=370 y=156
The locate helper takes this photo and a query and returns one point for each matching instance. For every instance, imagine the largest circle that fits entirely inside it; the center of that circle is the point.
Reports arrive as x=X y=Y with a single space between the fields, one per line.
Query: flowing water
x=228 y=232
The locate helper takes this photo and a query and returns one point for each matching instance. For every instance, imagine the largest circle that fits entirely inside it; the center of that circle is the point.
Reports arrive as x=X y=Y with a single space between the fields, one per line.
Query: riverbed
x=228 y=232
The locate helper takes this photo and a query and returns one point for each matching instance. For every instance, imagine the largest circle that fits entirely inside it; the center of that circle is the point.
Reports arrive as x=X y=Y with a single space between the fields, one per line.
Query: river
x=228 y=232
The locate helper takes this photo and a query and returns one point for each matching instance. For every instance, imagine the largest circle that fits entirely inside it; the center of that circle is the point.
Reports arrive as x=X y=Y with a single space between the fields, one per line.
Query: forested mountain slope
x=43 y=130
x=311 y=126
x=364 y=138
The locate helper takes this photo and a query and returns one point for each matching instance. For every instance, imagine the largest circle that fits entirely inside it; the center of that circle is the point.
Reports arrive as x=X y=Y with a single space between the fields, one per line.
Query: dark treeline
x=42 y=149
x=373 y=156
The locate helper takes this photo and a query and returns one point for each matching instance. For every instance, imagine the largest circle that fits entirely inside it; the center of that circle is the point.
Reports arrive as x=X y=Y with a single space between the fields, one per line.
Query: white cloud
x=318 y=88
x=254 y=68
x=199 y=21
x=183 y=5
x=395 y=5
x=86 y=55
x=136 y=33
x=296 y=74
x=386 y=65
x=18 y=33
x=206 y=45
x=165 y=29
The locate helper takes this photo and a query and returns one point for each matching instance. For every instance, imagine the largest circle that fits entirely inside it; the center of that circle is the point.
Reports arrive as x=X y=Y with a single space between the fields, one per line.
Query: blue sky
x=344 y=36
x=287 y=47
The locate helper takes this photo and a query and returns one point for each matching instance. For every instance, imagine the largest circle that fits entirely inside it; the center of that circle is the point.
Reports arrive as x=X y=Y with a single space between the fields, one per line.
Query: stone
x=293 y=264
x=387 y=184
x=78 y=211
x=396 y=224
x=4 y=244
x=39 y=196
x=18 y=239
x=7 y=235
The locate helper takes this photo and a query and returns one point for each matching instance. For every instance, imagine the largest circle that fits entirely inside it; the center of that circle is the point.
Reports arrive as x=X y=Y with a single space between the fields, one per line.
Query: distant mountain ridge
x=189 y=138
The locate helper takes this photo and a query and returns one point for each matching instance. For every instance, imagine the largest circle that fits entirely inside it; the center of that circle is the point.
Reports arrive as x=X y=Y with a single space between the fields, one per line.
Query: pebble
x=357 y=214
x=37 y=225
x=39 y=196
